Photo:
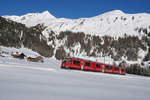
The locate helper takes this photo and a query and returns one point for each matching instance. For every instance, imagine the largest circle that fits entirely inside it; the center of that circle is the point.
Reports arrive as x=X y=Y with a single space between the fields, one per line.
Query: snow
x=114 y=23
x=26 y=51
x=32 y=19
x=40 y=82
x=23 y=80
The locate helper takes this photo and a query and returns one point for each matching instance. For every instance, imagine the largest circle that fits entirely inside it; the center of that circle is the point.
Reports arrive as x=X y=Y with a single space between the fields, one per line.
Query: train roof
x=80 y=58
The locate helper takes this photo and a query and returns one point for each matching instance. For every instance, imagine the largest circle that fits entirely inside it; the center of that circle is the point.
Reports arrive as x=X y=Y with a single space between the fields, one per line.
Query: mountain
x=113 y=23
x=13 y=34
x=113 y=37
x=32 y=19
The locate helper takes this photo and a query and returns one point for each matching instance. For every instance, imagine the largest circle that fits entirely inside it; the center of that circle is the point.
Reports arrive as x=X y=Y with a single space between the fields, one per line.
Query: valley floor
x=22 y=80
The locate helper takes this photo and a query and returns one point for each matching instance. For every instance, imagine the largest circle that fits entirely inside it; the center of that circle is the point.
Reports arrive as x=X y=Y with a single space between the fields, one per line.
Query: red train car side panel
x=87 y=66
x=116 y=70
x=123 y=70
x=74 y=63
x=108 y=69
x=77 y=63
x=98 y=67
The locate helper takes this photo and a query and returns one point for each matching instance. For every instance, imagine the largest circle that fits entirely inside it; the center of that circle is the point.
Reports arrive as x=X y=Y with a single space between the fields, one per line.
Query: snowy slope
x=32 y=19
x=23 y=80
x=113 y=23
x=44 y=81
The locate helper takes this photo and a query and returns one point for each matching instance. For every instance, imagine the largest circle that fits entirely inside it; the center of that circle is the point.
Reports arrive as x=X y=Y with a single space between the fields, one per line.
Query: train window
x=98 y=65
x=76 y=62
x=116 y=68
x=108 y=67
x=87 y=64
x=69 y=61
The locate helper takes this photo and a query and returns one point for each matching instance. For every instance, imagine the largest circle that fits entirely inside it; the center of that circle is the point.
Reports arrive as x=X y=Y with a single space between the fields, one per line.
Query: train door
x=82 y=63
x=98 y=67
x=120 y=70
x=103 y=66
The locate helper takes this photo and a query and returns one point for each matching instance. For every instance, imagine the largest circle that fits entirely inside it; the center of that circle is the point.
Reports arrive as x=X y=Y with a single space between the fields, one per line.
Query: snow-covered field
x=22 y=80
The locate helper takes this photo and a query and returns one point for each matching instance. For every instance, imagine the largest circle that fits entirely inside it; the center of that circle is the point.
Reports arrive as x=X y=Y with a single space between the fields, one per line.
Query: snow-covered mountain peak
x=32 y=19
x=111 y=14
x=114 y=12
x=48 y=14
x=113 y=23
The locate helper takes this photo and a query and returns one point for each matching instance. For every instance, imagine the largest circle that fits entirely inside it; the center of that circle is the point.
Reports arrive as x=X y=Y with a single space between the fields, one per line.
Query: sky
x=73 y=8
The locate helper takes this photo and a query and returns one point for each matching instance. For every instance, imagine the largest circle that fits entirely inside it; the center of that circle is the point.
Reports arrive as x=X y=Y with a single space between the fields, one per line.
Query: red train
x=81 y=64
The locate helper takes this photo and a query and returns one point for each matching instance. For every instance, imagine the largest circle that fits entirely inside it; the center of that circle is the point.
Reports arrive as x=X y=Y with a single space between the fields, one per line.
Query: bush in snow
x=138 y=70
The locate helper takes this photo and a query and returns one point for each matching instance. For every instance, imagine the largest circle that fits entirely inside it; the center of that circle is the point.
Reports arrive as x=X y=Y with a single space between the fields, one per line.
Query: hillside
x=13 y=34
x=114 y=36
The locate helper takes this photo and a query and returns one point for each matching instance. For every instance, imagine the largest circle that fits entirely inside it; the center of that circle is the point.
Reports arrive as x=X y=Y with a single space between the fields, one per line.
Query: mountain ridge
x=114 y=23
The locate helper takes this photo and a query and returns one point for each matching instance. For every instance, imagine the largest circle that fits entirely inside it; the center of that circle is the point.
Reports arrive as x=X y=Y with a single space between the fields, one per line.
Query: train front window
x=87 y=64
x=76 y=62
x=69 y=61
